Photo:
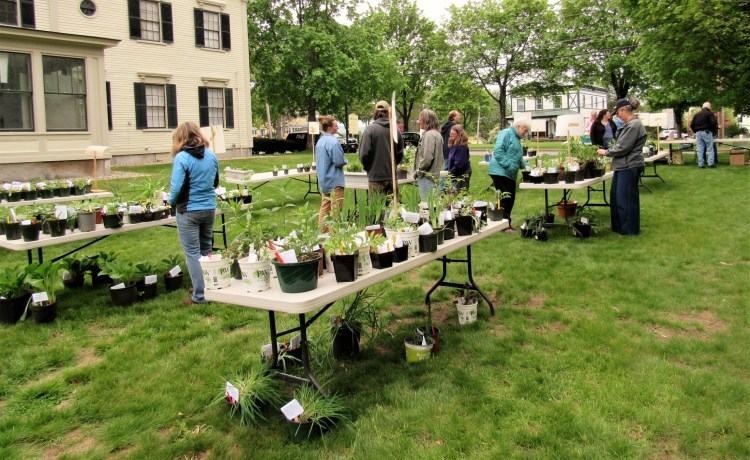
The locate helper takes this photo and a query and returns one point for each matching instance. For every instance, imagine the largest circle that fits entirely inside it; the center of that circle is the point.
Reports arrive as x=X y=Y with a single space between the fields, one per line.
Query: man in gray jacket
x=375 y=151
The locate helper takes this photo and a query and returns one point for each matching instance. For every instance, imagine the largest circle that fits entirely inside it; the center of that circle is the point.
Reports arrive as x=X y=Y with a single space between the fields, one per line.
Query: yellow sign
x=313 y=127
x=353 y=124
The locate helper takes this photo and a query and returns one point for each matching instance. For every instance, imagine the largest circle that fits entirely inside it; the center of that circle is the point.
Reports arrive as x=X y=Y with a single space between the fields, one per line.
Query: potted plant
x=124 y=273
x=468 y=300
x=87 y=218
x=79 y=186
x=99 y=259
x=306 y=167
x=418 y=347
x=30 y=229
x=585 y=223
x=256 y=388
x=466 y=221
x=275 y=171
x=12 y=227
x=74 y=269
x=29 y=192
x=343 y=248
x=112 y=217
x=398 y=229
x=15 y=292
x=320 y=414
x=357 y=313
x=43 y=279
x=539 y=227
x=302 y=275
x=496 y=211
x=285 y=168
x=146 y=283
x=173 y=274
x=57 y=225
x=43 y=191
x=300 y=167
x=566 y=208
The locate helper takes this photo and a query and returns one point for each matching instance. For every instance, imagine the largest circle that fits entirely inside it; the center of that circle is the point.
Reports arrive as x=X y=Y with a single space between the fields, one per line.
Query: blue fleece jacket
x=195 y=175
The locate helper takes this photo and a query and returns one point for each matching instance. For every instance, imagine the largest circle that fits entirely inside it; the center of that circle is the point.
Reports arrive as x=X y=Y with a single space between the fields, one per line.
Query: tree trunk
x=310 y=117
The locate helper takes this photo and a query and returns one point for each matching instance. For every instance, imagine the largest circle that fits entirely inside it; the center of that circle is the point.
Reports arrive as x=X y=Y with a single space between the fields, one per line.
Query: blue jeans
x=196 y=231
x=625 y=201
x=705 y=142
x=425 y=184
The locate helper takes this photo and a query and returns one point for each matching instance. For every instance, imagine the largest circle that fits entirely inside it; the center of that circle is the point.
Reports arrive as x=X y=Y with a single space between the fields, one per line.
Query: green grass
x=610 y=347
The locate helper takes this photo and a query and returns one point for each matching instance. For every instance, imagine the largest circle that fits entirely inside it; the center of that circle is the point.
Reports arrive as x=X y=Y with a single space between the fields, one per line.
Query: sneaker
x=190 y=301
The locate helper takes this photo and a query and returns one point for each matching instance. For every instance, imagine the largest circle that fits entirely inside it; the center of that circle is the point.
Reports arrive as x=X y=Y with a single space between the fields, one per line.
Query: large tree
x=459 y=91
x=502 y=43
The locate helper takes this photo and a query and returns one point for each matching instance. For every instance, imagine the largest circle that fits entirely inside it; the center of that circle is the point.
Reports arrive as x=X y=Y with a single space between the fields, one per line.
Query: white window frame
x=520 y=105
x=539 y=103
x=215 y=106
x=146 y=32
x=211 y=37
x=156 y=115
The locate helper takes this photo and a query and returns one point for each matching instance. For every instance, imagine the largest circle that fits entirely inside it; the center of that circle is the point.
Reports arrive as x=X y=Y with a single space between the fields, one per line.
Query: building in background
x=121 y=74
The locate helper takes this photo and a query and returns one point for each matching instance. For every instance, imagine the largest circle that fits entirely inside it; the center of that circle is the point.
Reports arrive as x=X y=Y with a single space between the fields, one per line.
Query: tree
x=459 y=91
x=502 y=43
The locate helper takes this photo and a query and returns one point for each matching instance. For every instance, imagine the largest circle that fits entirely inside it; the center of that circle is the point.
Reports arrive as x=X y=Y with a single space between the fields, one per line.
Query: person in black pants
x=506 y=160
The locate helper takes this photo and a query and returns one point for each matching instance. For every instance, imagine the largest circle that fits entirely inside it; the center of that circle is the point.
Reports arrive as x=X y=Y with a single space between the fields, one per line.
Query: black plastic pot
x=29 y=195
x=79 y=190
x=435 y=336
x=124 y=297
x=496 y=214
x=45 y=193
x=598 y=172
x=87 y=221
x=588 y=170
x=527 y=232
x=58 y=227
x=440 y=235
x=465 y=225
x=172 y=212
x=14 y=197
x=173 y=283
x=550 y=218
x=13 y=231
x=345 y=267
x=42 y=314
x=537 y=179
x=541 y=235
x=112 y=220
x=581 y=230
x=135 y=218
x=449 y=231
x=570 y=177
x=483 y=210
x=146 y=291
x=97 y=279
x=301 y=432
x=346 y=340
x=147 y=216
x=428 y=243
x=381 y=261
x=73 y=280
x=299 y=276
x=526 y=176
x=550 y=178
x=30 y=232
x=158 y=214
x=401 y=254
x=12 y=309
x=62 y=191
x=580 y=175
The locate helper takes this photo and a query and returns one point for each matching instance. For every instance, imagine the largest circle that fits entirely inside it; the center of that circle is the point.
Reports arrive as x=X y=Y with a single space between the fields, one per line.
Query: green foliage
x=363 y=308
x=323 y=411
x=354 y=166
x=257 y=387
x=171 y=261
x=121 y=271
x=145 y=268
x=45 y=277
x=14 y=281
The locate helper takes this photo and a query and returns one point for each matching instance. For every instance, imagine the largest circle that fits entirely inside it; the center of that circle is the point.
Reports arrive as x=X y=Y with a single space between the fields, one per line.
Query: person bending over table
x=195 y=175
x=506 y=160
x=330 y=160
x=459 y=163
x=627 y=164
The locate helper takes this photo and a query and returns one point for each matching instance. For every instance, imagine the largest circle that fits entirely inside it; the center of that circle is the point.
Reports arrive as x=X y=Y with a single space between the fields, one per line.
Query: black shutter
x=109 y=107
x=203 y=105
x=28 y=19
x=167 y=35
x=198 y=15
x=141 y=118
x=226 y=37
x=171 y=106
x=134 y=18
x=228 y=108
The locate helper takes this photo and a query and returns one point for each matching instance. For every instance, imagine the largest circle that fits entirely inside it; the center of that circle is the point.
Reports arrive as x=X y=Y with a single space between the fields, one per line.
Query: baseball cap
x=382 y=105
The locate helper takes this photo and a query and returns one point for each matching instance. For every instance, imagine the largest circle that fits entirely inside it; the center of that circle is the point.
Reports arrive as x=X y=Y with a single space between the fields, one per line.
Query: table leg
x=471 y=285
x=640 y=181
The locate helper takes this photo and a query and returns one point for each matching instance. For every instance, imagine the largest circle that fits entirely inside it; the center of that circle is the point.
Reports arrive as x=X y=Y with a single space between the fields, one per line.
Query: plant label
x=292 y=410
x=221 y=190
x=232 y=394
x=61 y=212
x=150 y=279
x=119 y=286
x=12 y=213
x=584 y=220
x=26 y=222
x=295 y=341
x=176 y=270
x=287 y=257
x=39 y=297
x=266 y=350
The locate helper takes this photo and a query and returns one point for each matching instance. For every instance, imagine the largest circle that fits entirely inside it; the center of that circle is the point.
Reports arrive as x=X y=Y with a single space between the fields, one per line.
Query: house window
x=583 y=104
x=556 y=102
x=150 y=20
x=216 y=107
x=16 y=107
x=539 y=104
x=64 y=93
x=520 y=105
x=212 y=30
x=17 y=13
x=155 y=106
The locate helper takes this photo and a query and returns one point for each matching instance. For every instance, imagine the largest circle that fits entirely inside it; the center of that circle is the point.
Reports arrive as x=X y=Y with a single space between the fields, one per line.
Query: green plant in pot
x=467 y=301
x=43 y=279
x=320 y=414
x=356 y=314
x=255 y=270
x=15 y=292
x=585 y=223
x=100 y=259
x=302 y=275
x=342 y=246
x=257 y=388
x=124 y=293
x=112 y=217
x=74 y=269
x=146 y=284
x=496 y=211
x=174 y=277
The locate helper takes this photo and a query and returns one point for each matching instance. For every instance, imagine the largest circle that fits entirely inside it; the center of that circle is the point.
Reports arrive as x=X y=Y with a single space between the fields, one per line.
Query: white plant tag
x=61 y=212
x=26 y=222
x=135 y=210
x=295 y=341
x=411 y=217
x=399 y=241
x=523 y=226
x=12 y=213
x=292 y=410
x=119 y=286
x=39 y=297
x=372 y=227
x=425 y=229
x=287 y=257
x=164 y=196
x=584 y=220
x=448 y=215
x=221 y=190
x=232 y=394
x=176 y=270
x=150 y=279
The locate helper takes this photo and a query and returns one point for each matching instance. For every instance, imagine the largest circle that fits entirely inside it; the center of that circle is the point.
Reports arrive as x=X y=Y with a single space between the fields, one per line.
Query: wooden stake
x=392 y=123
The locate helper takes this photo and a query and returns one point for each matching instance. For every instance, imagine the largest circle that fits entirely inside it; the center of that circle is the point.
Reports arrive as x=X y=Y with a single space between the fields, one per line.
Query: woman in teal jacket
x=507 y=159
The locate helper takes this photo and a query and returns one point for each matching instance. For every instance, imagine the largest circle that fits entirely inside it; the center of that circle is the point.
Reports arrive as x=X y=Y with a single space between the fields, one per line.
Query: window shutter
x=203 y=105
x=134 y=18
x=226 y=37
x=198 y=15
x=166 y=23
x=228 y=108
x=141 y=118
x=109 y=107
x=28 y=19
x=171 y=106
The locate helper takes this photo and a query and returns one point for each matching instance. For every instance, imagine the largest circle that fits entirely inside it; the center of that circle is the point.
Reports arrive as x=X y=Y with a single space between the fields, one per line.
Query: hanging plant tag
x=232 y=394
x=176 y=270
x=425 y=229
x=150 y=279
x=295 y=341
x=221 y=190
x=292 y=410
x=287 y=257
x=119 y=286
x=39 y=297
x=584 y=220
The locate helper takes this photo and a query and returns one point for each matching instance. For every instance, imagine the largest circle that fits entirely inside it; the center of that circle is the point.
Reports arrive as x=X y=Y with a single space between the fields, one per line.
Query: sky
x=435 y=10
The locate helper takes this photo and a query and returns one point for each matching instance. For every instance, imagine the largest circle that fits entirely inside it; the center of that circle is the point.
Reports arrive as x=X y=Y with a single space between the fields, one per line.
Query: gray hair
x=429 y=119
x=522 y=123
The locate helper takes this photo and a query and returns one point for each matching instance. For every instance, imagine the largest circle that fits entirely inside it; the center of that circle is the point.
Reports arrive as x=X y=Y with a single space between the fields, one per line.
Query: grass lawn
x=609 y=347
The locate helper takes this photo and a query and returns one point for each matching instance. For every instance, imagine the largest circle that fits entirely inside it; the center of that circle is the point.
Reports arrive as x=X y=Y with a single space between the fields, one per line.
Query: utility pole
x=268 y=120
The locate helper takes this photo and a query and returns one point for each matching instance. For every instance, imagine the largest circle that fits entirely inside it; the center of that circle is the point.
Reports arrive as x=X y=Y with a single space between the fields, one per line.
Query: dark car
x=411 y=139
x=350 y=146
x=298 y=140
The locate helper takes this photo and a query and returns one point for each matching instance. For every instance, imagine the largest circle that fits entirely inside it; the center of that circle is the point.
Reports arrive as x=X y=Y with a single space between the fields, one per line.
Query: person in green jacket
x=507 y=159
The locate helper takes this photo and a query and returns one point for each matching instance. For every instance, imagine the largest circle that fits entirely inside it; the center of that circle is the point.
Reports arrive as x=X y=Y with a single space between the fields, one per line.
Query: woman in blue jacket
x=195 y=176
x=507 y=159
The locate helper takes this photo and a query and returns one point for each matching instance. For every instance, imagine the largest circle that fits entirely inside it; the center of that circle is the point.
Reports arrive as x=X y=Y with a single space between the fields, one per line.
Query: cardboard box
x=737 y=159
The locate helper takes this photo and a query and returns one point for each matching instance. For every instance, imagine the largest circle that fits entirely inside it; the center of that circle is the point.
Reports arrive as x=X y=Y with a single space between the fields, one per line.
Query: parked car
x=411 y=139
x=299 y=140
x=669 y=133
x=351 y=145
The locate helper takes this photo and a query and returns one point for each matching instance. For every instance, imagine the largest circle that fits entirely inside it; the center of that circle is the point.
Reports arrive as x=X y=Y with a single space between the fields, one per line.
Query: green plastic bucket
x=415 y=351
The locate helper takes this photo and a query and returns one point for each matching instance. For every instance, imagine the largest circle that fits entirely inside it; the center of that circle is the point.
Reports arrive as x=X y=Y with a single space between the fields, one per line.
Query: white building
x=121 y=74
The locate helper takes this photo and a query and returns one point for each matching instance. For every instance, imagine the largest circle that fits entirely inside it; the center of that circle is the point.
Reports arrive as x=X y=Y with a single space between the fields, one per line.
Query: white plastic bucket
x=216 y=272
x=412 y=239
x=256 y=276
x=467 y=314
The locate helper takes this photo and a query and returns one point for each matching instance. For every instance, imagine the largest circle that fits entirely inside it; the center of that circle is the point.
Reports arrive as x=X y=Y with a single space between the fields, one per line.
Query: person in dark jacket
x=459 y=164
x=705 y=126
x=375 y=151
x=453 y=118
x=195 y=176
x=603 y=129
